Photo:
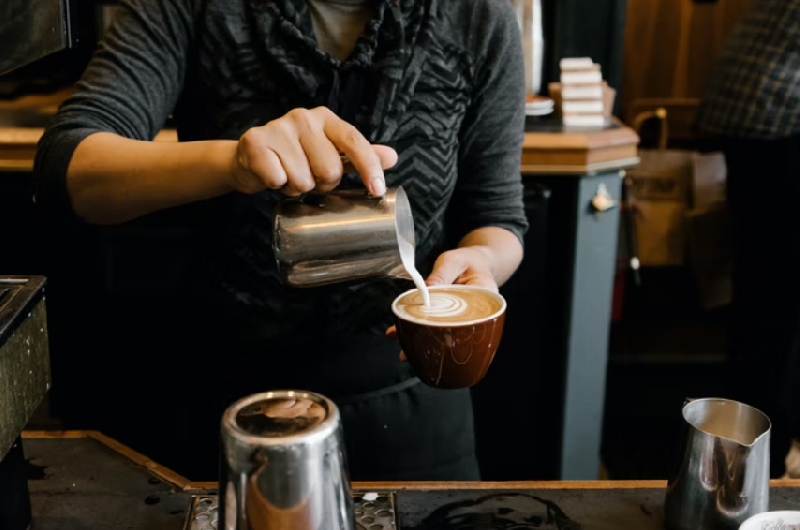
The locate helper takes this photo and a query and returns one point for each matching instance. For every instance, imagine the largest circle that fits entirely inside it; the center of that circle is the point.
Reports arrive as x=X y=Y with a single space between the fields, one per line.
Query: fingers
x=301 y=151
x=387 y=155
x=464 y=267
x=323 y=157
x=259 y=161
x=299 y=179
x=392 y=334
x=447 y=269
x=276 y=159
x=348 y=140
x=479 y=279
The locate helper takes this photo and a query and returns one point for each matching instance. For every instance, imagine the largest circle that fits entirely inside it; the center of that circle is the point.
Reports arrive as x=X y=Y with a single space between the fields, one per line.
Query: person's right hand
x=301 y=151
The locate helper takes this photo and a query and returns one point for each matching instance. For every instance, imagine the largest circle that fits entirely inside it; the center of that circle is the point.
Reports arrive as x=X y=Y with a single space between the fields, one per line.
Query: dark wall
x=21 y=247
x=584 y=28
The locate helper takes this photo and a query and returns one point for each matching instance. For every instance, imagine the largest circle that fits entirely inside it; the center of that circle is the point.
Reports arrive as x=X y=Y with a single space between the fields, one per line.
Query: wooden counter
x=18 y=146
x=87 y=483
x=542 y=152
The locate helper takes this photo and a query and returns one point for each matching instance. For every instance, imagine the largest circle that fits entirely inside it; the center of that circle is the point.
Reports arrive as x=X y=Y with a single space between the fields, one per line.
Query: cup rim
x=232 y=429
x=725 y=401
x=497 y=296
x=751 y=522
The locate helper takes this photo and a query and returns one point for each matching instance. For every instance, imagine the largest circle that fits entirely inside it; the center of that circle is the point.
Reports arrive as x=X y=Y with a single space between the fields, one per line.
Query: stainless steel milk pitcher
x=283 y=465
x=341 y=236
x=723 y=478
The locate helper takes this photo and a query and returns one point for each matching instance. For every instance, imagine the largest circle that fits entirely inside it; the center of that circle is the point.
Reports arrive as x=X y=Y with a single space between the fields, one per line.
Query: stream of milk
x=407 y=257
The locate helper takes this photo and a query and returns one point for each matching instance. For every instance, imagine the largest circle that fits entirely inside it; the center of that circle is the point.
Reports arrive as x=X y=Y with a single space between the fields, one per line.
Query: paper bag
x=708 y=229
x=660 y=191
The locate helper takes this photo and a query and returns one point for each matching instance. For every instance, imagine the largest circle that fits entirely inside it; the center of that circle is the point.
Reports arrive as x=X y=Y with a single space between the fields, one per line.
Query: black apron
x=395 y=427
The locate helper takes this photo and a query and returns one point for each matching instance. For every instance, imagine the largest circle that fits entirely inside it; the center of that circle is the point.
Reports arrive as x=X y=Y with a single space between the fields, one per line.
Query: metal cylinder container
x=283 y=465
x=341 y=236
x=723 y=477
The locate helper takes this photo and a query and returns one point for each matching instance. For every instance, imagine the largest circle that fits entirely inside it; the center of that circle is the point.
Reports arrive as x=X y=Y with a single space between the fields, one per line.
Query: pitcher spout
x=723 y=477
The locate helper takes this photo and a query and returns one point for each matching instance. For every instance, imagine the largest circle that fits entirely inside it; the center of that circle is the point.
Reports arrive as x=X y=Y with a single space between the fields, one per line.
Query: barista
x=266 y=95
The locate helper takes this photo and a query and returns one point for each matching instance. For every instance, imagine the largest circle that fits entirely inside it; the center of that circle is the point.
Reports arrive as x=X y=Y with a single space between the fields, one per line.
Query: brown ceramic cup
x=451 y=354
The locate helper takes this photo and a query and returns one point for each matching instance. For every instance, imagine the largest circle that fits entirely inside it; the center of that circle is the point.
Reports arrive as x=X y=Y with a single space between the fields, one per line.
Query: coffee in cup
x=451 y=342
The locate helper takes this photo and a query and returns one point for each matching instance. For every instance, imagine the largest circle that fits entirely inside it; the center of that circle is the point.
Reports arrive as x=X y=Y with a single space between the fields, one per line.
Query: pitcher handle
x=678 y=457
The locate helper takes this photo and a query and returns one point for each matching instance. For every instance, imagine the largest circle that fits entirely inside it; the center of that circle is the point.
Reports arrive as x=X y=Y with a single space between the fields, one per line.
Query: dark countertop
x=84 y=483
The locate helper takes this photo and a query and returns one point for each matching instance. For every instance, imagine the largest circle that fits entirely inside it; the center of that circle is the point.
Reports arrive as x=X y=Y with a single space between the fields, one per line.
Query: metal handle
x=13 y=281
x=629 y=209
x=661 y=115
x=602 y=200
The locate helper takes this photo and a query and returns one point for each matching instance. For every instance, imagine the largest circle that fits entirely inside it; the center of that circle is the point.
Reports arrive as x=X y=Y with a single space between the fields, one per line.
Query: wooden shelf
x=562 y=152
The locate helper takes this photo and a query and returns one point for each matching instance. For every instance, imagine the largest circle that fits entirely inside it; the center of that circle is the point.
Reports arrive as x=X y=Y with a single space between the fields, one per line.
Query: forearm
x=501 y=248
x=112 y=179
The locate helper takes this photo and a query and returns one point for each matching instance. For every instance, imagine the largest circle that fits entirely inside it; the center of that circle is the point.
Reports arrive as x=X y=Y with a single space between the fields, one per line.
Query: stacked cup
x=582 y=92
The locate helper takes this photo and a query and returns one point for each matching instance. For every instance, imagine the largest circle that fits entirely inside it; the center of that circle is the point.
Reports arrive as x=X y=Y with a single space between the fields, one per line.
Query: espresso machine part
x=24 y=383
x=341 y=236
x=723 y=478
x=374 y=511
x=283 y=465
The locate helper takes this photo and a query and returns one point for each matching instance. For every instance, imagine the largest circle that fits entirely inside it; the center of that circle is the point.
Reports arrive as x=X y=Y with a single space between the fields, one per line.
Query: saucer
x=773 y=521
x=537 y=112
x=539 y=106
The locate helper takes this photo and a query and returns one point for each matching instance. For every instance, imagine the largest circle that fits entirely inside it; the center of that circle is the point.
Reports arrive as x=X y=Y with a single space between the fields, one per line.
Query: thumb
x=387 y=155
x=446 y=270
x=388 y=158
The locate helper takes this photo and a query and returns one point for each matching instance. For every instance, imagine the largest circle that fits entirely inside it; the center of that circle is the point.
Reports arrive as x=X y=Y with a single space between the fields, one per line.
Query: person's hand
x=392 y=334
x=301 y=151
x=463 y=266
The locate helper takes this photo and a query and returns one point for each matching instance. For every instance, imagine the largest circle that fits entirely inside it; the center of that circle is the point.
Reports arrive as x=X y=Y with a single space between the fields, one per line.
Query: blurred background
x=662 y=337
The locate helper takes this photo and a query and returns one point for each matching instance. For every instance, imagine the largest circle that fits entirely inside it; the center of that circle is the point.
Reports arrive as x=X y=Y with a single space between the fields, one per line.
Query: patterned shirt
x=441 y=81
x=755 y=89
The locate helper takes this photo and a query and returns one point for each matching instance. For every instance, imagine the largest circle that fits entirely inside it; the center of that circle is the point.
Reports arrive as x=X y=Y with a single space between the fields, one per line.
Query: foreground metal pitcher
x=283 y=465
x=724 y=475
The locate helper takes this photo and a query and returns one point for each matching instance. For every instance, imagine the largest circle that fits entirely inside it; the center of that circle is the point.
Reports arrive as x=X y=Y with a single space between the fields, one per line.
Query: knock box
x=24 y=382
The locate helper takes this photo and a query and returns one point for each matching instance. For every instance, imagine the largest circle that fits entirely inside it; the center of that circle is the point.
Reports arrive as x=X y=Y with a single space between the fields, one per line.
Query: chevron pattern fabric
x=442 y=81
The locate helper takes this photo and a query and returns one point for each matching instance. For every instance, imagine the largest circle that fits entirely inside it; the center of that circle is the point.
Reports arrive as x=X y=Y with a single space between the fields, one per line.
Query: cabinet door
x=584 y=28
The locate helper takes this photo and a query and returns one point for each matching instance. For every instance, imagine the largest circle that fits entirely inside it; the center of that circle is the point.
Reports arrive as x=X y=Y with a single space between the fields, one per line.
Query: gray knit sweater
x=439 y=80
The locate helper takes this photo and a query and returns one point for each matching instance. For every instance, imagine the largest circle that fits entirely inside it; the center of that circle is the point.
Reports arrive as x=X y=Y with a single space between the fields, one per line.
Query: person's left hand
x=462 y=266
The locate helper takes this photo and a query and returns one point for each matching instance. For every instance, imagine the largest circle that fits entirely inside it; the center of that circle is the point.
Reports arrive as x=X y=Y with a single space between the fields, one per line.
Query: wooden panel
x=671 y=46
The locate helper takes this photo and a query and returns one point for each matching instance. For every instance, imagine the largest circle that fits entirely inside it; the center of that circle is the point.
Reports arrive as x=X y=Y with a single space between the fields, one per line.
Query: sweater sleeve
x=129 y=88
x=489 y=189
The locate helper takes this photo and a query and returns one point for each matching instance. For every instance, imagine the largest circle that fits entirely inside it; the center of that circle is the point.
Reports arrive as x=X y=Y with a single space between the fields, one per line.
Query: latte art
x=449 y=305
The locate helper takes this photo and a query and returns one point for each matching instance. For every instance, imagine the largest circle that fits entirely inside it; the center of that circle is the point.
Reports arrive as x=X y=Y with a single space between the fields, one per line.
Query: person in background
x=753 y=105
x=265 y=96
